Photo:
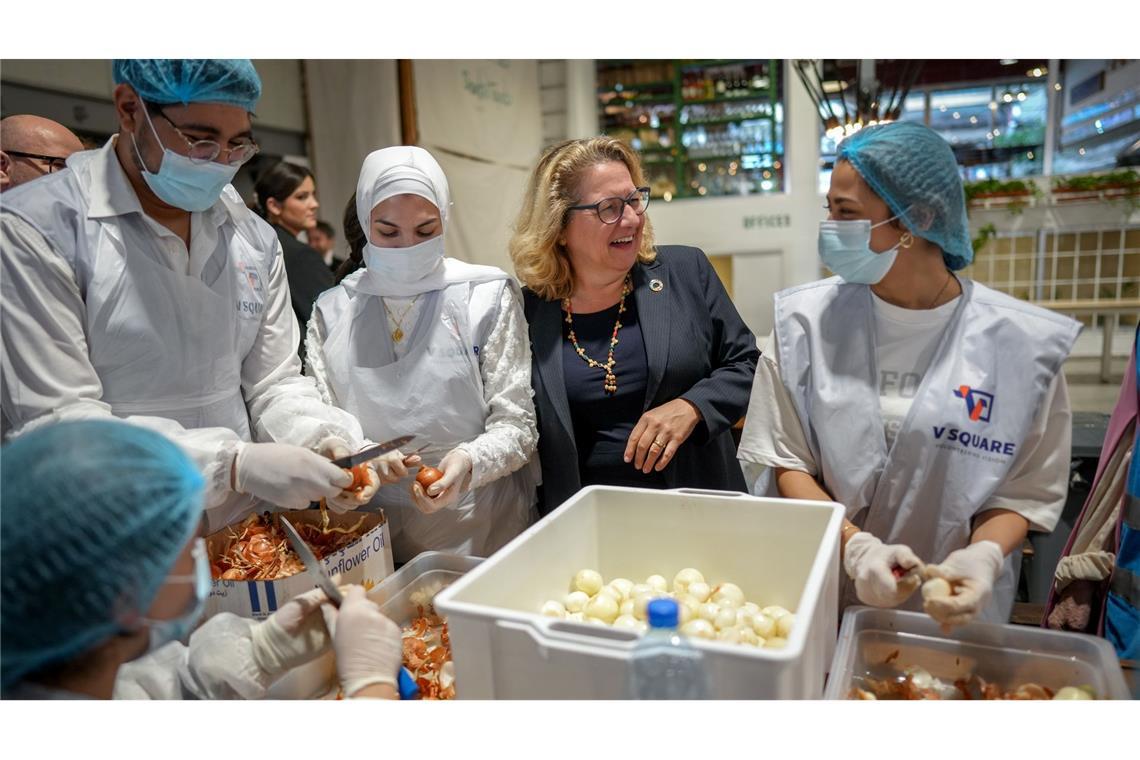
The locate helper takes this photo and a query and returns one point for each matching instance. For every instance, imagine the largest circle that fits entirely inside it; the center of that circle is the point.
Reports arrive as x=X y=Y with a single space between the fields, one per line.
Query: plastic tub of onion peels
x=256 y=571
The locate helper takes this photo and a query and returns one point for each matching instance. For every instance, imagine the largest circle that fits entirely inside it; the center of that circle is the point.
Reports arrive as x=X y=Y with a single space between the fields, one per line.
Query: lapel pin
x=656 y=286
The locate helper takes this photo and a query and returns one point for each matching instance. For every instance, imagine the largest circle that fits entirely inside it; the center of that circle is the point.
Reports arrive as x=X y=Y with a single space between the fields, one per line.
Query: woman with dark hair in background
x=287 y=199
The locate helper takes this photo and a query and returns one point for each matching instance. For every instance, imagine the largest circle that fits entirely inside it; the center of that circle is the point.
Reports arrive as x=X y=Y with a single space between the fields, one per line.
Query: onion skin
x=428 y=475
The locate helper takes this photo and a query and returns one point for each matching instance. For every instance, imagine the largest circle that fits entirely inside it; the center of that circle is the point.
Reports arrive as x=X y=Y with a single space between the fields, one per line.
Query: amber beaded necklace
x=609 y=382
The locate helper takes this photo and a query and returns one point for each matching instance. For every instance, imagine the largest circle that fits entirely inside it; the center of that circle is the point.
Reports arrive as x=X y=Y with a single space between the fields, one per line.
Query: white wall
x=483 y=121
x=355 y=109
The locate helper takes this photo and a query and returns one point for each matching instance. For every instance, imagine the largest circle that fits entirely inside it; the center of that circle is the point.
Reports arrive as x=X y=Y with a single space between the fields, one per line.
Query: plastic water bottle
x=664 y=666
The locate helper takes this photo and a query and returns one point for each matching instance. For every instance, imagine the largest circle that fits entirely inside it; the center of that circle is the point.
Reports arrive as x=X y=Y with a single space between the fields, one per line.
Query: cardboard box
x=366 y=561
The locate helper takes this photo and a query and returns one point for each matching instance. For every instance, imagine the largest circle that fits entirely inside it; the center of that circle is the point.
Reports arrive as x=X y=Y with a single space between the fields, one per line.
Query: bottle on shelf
x=663 y=664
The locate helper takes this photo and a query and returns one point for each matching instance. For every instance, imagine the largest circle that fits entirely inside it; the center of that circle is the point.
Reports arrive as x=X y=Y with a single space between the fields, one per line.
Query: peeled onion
x=612 y=593
x=576 y=601
x=699 y=629
x=685 y=577
x=775 y=643
x=775 y=611
x=588 y=581
x=699 y=591
x=554 y=609
x=576 y=617
x=726 y=618
x=626 y=621
x=750 y=608
x=936 y=588
x=784 y=625
x=641 y=605
x=728 y=595
x=657 y=583
x=708 y=611
x=764 y=626
x=603 y=607
x=624 y=585
x=626 y=608
x=596 y=621
x=640 y=589
x=1073 y=692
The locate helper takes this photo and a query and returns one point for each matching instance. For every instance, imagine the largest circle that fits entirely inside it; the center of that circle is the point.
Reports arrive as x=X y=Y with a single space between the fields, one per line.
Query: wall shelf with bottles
x=703 y=128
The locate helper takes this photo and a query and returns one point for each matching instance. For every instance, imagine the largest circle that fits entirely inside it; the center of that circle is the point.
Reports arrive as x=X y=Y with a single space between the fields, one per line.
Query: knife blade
x=312 y=564
x=373 y=451
x=405 y=685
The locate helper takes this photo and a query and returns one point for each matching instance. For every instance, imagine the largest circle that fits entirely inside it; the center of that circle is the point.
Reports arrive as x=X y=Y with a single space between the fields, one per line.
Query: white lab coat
x=217 y=664
x=946 y=463
x=107 y=312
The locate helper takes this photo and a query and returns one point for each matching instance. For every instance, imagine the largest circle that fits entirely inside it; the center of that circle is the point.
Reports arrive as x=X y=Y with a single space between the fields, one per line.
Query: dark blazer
x=308 y=278
x=698 y=348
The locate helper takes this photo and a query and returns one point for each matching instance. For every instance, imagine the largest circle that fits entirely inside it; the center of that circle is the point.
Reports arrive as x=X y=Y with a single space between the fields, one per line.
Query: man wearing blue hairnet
x=136 y=283
x=101 y=611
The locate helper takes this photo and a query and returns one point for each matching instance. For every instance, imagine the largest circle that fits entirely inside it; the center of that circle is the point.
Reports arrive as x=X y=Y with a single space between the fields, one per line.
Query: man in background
x=322 y=239
x=32 y=147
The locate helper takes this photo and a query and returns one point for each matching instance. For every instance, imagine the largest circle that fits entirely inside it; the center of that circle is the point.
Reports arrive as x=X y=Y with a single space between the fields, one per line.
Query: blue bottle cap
x=663 y=613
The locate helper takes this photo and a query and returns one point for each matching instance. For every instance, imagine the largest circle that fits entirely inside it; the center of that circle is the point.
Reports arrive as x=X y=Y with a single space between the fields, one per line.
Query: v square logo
x=979 y=404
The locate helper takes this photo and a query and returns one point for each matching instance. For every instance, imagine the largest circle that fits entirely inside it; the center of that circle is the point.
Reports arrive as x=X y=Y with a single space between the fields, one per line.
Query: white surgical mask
x=405 y=266
x=845 y=248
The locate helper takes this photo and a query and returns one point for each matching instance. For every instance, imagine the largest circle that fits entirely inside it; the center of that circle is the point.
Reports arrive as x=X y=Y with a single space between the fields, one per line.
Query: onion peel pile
x=257 y=549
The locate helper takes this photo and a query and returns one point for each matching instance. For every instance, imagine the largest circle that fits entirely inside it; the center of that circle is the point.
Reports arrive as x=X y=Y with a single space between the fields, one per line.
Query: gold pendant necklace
x=398 y=333
x=609 y=382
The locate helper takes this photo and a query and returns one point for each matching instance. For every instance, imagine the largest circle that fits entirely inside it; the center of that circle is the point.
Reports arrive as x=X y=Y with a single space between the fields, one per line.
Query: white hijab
x=403 y=272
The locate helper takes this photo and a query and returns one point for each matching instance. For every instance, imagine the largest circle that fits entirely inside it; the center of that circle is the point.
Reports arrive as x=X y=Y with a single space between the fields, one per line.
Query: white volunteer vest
x=165 y=343
x=434 y=392
x=990 y=373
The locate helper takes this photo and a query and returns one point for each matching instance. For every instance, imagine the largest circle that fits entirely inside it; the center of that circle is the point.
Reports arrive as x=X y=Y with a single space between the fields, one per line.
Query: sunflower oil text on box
x=366 y=561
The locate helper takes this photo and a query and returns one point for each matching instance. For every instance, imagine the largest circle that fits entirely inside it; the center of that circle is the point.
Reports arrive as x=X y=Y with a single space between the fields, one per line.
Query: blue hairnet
x=914 y=171
x=231 y=81
x=94 y=516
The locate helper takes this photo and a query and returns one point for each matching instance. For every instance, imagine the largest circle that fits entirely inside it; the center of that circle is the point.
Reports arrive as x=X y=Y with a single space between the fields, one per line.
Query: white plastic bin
x=882 y=643
x=778 y=551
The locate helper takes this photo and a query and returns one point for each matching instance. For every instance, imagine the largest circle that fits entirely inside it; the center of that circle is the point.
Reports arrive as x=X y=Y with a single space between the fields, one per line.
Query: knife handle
x=406 y=685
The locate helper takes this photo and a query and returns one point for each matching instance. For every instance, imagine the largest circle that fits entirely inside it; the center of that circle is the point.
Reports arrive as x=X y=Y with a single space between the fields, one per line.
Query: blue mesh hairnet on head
x=231 y=81
x=94 y=515
x=914 y=171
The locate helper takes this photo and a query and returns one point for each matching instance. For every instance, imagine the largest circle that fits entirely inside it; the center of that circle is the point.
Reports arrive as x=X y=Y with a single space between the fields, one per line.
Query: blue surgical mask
x=845 y=247
x=162 y=632
x=182 y=183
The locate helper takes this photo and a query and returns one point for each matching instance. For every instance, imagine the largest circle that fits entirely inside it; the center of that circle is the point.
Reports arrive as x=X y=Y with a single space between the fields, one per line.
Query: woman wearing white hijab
x=419 y=344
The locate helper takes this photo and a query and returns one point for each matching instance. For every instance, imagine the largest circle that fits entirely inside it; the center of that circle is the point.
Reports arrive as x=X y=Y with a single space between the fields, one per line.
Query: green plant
x=985 y=234
x=999 y=186
x=1087 y=182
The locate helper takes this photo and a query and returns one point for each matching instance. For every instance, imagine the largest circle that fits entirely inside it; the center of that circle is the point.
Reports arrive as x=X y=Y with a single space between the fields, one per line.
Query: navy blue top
x=603 y=421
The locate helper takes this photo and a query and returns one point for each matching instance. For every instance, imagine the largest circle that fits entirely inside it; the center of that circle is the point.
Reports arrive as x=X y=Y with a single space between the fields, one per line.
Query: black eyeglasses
x=55 y=163
x=204 y=151
x=609 y=210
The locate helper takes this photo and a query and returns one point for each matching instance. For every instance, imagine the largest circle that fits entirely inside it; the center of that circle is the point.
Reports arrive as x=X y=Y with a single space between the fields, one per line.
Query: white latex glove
x=869 y=562
x=393 y=466
x=291 y=636
x=444 y=493
x=369 y=649
x=972 y=572
x=335 y=448
x=288 y=476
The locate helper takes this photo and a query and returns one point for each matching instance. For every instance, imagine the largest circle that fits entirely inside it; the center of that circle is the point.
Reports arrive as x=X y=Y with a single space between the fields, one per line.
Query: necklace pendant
x=610 y=384
x=398 y=334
